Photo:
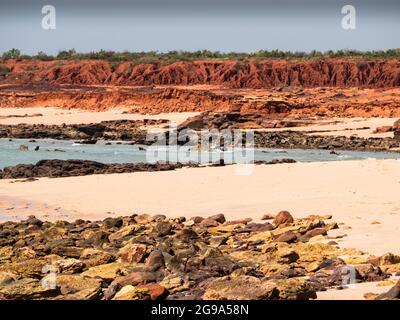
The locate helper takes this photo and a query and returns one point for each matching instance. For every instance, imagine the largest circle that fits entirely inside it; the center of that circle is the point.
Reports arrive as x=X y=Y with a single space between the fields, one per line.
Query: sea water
x=124 y=152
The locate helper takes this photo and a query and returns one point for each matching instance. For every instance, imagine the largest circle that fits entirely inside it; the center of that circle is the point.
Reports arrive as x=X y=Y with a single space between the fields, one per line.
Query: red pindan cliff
x=327 y=87
x=233 y=74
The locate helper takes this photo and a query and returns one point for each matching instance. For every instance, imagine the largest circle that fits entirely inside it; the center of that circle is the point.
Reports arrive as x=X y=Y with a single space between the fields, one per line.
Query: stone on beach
x=283 y=217
x=152 y=257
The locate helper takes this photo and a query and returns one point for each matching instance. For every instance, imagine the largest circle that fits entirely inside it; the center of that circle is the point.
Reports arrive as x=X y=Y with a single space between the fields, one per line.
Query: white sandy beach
x=361 y=195
x=58 y=116
x=356 y=193
x=361 y=127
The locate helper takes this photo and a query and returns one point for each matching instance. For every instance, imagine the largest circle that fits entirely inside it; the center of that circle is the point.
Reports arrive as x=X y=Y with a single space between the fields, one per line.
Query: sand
x=363 y=195
x=346 y=127
x=57 y=116
x=355 y=291
x=356 y=193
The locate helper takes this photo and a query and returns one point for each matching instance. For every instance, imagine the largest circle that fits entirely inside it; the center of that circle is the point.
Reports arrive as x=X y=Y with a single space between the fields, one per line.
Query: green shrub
x=163 y=58
x=11 y=54
x=32 y=68
x=4 y=69
x=43 y=56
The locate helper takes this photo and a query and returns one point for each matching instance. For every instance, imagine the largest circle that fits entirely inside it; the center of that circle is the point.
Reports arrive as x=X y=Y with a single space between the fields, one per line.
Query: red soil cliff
x=233 y=74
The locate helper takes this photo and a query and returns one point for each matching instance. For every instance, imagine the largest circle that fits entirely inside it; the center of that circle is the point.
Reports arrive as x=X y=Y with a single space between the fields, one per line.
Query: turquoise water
x=121 y=153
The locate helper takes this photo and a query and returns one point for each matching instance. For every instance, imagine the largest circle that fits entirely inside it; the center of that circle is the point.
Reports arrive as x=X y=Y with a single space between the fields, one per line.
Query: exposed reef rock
x=143 y=257
x=68 y=168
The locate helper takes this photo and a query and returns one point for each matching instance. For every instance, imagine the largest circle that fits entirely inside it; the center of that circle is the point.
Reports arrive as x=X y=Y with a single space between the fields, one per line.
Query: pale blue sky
x=224 y=25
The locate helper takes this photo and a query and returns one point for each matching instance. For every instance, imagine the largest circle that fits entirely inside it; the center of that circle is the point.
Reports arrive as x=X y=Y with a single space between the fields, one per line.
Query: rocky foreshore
x=143 y=257
x=54 y=168
x=124 y=130
x=299 y=140
x=135 y=132
x=288 y=138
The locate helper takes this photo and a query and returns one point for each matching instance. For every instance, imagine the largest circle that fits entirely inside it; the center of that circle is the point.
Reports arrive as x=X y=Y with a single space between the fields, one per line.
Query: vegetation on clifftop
x=174 y=56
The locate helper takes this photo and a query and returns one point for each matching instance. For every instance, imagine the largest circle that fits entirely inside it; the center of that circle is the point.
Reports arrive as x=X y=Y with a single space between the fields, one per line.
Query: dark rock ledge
x=55 y=168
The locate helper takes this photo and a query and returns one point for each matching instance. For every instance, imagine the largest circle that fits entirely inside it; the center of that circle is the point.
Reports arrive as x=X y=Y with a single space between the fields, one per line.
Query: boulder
x=155 y=260
x=283 y=217
x=295 y=289
x=172 y=283
x=6 y=253
x=163 y=228
x=123 y=232
x=31 y=268
x=208 y=222
x=316 y=232
x=93 y=257
x=186 y=235
x=107 y=272
x=113 y=222
x=368 y=272
x=68 y=266
x=79 y=287
x=240 y=288
x=267 y=216
x=7 y=278
x=133 y=279
x=27 y=289
x=393 y=293
x=151 y=291
x=220 y=218
x=133 y=253
x=70 y=252
x=389 y=259
x=144 y=219
x=288 y=237
x=383 y=129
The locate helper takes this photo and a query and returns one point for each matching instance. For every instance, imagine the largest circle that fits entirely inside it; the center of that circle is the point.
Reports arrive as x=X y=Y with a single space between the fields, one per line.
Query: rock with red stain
x=283 y=217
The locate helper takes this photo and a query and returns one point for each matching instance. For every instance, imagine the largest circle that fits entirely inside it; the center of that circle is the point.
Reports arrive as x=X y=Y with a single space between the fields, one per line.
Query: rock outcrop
x=128 y=130
x=67 y=168
x=143 y=257
x=54 y=168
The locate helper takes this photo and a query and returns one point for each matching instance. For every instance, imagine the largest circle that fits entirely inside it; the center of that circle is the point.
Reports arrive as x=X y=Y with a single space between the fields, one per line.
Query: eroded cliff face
x=276 y=88
x=270 y=103
x=233 y=74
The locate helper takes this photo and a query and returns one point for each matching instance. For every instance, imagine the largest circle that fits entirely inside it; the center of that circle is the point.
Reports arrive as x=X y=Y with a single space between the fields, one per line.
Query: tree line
x=172 y=56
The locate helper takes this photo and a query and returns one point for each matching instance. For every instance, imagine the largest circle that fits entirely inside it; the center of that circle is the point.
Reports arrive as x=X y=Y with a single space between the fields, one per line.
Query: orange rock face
x=233 y=74
x=271 y=88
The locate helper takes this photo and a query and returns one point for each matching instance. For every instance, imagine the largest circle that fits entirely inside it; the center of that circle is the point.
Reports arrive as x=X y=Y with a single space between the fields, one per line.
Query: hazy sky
x=224 y=25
